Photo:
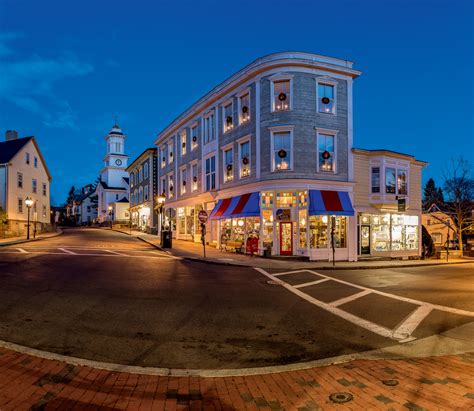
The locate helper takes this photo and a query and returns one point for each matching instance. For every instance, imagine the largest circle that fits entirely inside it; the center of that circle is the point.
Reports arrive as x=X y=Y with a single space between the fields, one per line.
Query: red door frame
x=291 y=231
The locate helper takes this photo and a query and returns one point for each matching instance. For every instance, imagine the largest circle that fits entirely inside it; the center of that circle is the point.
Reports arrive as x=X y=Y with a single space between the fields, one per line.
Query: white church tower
x=112 y=189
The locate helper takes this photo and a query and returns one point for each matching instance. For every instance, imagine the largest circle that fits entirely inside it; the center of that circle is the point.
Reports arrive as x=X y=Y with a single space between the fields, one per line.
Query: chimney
x=11 y=135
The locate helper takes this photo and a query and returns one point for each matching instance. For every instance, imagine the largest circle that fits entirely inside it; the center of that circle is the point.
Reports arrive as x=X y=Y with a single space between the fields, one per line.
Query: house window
x=116 y=196
x=375 y=179
x=183 y=181
x=170 y=152
x=34 y=186
x=145 y=171
x=19 y=180
x=170 y=186
x=163 y=156
x=182 y=142
x=27 y=158
x=286 y=199
x=131 y=179
x=44 y=211
x=228 y=165
x=282 y=150
x=211 y=173
x=402 y=184
x=20 y=205
x=209 y=128
x=326 y=152
x=281 y=95
x=44 y=189
x=194 y=137
x=244 y=108
x=140 y=195
x=227 y=117
x=194 y=168
x=36 y=162
x=140 y=175
x=326 y=98
x=145 y=193
x=244 y=159
x=163 y=185
x=390 y=180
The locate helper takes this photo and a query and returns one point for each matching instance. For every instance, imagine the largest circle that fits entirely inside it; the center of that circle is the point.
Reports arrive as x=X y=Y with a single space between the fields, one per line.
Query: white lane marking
x=291 y=272
x=165 y=255
x=21 y=250
x=67 y=251
x=368 y=325
x=350 y=298
x=116 y=253
x=409 y=325
x=311 y=283
x=400 y=298
x=71 y=254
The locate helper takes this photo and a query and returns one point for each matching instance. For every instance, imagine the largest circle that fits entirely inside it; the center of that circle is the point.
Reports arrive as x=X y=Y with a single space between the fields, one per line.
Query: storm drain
x=340 y=397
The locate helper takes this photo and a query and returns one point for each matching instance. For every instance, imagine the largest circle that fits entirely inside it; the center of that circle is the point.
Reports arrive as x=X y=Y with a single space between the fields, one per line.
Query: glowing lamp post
x=110 y=216
x=160 y=200
x=29 y=203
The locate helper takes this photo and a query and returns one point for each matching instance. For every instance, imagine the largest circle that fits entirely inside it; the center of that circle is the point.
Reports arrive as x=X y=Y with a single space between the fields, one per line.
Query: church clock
x=118 y=162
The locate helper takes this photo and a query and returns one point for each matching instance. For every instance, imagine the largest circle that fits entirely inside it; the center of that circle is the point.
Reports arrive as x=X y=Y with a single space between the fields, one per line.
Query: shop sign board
x=283 y=214
x=402 y=204
x=202 y=216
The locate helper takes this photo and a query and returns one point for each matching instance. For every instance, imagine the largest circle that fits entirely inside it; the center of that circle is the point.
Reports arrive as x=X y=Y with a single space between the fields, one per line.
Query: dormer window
x=228 y=118
x=244 y=108
x=325 y=96
x=281 y=95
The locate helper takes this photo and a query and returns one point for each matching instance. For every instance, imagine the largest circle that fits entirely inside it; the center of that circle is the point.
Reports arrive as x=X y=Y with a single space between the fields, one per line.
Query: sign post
x=202 y=216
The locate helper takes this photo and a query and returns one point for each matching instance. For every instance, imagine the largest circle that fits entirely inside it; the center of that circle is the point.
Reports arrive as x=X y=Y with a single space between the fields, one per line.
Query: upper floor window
x=132 y=182
x=228 y=165
x=170 y=186
x=227 y=117
x=45 y=188
x=402 y=182
x=145 y=193
x=194 y=170
x=390 y=180
x=116 y=196
x=140 y=175
x=209 y=128
x=375 y=177
x=282 y=148
x=140 y=194
x=244 y=108
x=194 y=137
x=36 y=162
x=20 y=205
x=163 y=156
x=326 y=98
x=170 y=152
x=244 y=159
x=19 y=180
x=211 y=173
x=145 y=170
x=281 y=95
x=27 y=158
x=183 y=181
x=182 y=140
x=326 y=152
x=164 y=186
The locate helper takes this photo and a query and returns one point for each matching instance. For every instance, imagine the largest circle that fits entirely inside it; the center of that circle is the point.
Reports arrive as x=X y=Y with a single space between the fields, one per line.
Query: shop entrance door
x=286 y=238
x=365 y=239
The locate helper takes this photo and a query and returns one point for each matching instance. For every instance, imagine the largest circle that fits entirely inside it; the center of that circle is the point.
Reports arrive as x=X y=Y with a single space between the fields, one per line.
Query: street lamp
x=161 y=201
x=110 y=216
x=29 y=203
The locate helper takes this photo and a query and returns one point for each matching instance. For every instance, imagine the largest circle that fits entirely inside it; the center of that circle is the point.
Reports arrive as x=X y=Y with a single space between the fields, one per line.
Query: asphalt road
x=105 y=296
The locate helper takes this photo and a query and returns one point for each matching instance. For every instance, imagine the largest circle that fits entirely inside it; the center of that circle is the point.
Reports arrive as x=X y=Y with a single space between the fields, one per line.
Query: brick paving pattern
x=447 y=383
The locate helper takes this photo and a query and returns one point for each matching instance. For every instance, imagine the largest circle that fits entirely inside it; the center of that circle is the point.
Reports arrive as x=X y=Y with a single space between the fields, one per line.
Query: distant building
x=440 y=226
x=23 y=174
x=112 y=188
x=82 y=208
x=143 y=182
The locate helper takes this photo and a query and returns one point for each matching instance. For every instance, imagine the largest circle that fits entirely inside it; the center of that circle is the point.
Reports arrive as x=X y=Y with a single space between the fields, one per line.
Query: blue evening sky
x=68 y=67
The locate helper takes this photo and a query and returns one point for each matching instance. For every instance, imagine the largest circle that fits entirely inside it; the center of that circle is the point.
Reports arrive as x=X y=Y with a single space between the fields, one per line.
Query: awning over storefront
x=245 y=205
x=330 y=202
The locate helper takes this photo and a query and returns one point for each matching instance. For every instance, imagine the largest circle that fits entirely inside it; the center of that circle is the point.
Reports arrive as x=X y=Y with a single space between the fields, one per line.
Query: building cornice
x=392 y=154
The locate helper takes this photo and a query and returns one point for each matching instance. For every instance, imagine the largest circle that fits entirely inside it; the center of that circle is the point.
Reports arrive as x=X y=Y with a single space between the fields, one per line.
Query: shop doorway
x=286 y=238
x=364 y=239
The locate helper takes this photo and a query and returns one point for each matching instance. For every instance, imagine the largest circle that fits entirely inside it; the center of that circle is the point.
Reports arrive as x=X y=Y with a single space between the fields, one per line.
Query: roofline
x=382 y=151
x=132 y=164
x=258 y=66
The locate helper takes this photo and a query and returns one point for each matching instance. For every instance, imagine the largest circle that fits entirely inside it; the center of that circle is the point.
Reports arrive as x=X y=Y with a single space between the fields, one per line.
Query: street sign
x=202 y=216
x=402 y=204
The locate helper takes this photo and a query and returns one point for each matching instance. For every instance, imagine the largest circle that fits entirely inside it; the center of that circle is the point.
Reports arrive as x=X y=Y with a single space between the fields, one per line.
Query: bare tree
x=459 y=189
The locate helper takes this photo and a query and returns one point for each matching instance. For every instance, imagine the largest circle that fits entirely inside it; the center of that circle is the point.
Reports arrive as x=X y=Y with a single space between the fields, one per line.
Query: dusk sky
x=68 y=68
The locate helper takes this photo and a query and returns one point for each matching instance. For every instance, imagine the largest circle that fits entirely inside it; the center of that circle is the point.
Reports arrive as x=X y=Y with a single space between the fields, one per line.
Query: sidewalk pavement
x=22 y=239
x=32 y=383
x=194 y=251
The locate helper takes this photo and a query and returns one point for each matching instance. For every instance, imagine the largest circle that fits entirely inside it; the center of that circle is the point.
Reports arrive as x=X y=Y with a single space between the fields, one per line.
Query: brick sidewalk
x=32 y=383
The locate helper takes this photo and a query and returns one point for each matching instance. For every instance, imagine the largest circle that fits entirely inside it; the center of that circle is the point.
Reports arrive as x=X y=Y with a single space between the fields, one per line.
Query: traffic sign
x=202 y=216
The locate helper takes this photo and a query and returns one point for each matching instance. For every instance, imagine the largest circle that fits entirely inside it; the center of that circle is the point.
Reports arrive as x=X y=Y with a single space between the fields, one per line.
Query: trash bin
x=166 y=239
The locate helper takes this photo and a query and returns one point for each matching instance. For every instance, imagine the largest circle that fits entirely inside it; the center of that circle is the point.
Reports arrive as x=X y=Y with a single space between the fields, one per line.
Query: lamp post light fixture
x=160 y=200
x=29 y=203
x=110 y=216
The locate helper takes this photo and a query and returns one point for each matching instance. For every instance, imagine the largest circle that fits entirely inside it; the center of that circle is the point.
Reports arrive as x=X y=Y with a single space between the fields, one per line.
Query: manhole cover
x=340 y=397
x=390 y=383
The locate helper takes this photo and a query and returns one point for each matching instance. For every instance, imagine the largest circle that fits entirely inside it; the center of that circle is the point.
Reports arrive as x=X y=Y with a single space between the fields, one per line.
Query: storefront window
x=181 y=221
x=266 y=200
x=284 y=199
x=267 y=228
x=303 y=199
x=318 y=231
x=303 y=221
x=380 y=232
x=340 y=232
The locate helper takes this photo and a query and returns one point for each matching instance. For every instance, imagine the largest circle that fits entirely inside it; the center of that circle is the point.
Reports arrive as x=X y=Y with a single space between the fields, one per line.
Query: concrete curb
x=58 y=232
